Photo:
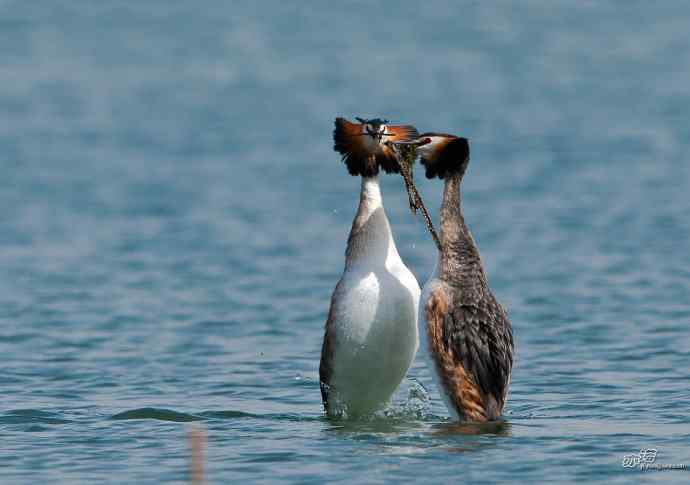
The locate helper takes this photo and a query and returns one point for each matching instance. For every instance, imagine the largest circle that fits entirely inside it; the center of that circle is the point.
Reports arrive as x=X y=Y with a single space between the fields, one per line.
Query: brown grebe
x=466 y=335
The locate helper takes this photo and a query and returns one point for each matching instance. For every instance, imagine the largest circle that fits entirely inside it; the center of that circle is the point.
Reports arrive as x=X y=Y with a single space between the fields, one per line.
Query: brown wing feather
x=480 y=335
x=459 y=386
x=472 y=348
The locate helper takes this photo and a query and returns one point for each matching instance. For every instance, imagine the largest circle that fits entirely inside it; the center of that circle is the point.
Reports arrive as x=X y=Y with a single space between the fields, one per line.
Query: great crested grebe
x=466 y=335
x=371 y=333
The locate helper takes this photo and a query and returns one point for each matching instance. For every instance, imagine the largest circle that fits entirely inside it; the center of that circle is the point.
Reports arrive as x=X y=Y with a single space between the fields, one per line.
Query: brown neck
x=460 y=260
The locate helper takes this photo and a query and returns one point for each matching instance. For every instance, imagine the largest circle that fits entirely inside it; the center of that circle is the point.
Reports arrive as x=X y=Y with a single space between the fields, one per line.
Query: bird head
x=364 y=146
x=440 y=153
x=375 y=127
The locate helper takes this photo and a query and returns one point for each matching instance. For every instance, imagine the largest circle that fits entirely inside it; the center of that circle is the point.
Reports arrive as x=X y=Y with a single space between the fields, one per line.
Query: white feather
x=375 y=321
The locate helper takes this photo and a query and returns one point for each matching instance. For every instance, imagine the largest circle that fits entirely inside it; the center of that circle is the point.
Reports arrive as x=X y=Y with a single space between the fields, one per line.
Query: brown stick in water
x=197 y=444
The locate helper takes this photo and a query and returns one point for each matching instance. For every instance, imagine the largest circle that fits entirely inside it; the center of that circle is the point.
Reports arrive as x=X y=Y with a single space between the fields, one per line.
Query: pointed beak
x=415 y=143
x=374 y=134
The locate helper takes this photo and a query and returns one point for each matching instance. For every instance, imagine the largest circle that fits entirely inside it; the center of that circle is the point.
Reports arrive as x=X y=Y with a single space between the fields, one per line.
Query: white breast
x=376 y=331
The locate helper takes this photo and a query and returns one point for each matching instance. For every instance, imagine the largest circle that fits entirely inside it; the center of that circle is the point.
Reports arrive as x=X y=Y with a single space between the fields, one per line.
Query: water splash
x=417 y=405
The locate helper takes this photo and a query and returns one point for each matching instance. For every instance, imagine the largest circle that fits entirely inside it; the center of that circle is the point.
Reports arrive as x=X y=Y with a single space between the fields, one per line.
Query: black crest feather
x=452 y=157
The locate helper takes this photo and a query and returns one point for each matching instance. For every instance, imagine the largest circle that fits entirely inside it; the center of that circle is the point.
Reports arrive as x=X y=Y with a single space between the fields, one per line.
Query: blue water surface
x=173 y=220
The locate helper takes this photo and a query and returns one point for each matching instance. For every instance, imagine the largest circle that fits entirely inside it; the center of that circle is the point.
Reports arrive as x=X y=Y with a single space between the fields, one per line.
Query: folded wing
x=472 y=347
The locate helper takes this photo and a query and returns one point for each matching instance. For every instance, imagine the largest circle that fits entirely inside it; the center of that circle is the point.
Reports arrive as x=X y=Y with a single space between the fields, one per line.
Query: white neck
x=371 y=240
x=371 y=191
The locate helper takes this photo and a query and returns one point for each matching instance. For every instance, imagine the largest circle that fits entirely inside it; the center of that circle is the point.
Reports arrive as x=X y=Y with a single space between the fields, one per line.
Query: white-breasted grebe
x=466 y=335
x=371 y=333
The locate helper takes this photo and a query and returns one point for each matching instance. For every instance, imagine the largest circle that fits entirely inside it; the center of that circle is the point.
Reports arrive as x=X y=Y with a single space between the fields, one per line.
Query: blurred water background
x=173 y=220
